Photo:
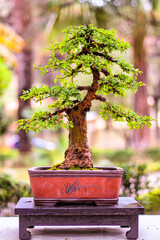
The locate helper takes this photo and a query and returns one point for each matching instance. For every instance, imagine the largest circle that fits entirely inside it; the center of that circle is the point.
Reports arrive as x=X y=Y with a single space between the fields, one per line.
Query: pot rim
x=106 y=171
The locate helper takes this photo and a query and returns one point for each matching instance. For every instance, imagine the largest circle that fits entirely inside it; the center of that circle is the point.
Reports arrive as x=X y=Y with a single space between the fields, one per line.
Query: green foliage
x=85 y=48
x=8 y=154
x=4 y=120
x=150 y=201
x=134 y=179
x=153 y=153
x=44 y=157
x=118 y=84
x=65 y=94
x=118 y=113
x=77 y=37
x=11 y=191
x=117 y=156
x=39 y=157
x=44 y=120
x=120 y=156
x=5 y=76
x=153 y=166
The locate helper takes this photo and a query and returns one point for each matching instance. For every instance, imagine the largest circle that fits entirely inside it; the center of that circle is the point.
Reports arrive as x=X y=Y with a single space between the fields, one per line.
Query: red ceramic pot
x=99 y=186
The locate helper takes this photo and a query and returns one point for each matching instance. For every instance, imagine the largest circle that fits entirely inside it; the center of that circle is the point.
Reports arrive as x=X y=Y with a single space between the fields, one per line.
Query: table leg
x=23 y=225
x=133 y=232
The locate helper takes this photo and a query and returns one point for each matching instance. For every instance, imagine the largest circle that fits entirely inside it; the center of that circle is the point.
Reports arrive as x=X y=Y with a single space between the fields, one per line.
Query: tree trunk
x=24 y=83
x=21 y=19
x=156 y=111
x=156 y=97
x=141 y=136
x=78 y=152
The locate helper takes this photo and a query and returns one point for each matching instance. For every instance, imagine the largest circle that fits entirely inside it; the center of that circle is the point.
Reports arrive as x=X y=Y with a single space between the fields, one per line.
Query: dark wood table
x=124 y=214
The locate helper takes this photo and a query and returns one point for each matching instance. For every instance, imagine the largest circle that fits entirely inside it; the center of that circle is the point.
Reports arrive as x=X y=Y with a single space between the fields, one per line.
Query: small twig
x=106 y=73
x=76 y=69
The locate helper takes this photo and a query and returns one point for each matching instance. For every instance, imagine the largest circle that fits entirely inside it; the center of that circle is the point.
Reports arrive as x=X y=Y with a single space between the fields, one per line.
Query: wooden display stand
x=124 y=214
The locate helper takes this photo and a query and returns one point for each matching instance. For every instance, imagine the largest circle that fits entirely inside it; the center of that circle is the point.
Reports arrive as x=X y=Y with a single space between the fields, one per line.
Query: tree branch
x=106 y=73
x=103 y=55
x=85 y=51
x=99 y=97
x=86 y=102
x=76 y=69
x=81 y=88
x=93 y=42
x=96 y=78
x=55 y=113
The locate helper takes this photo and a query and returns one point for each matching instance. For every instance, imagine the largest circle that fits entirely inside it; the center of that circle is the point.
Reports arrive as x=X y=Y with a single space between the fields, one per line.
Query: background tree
x=141 y=138
x=87 y=51
x=21 y=19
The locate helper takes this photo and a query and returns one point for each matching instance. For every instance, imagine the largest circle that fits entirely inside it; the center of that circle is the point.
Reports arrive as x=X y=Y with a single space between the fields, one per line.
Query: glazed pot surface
x=64 y=185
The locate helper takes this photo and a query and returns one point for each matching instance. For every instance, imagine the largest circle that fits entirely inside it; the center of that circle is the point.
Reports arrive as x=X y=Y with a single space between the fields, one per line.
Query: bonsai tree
x=88 y=50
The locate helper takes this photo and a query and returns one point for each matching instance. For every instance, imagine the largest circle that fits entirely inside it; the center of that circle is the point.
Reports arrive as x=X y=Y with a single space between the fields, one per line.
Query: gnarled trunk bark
x=78 y=152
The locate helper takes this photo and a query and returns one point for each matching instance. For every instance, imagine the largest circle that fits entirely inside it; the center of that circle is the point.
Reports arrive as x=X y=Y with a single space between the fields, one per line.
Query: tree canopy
x=87 y=50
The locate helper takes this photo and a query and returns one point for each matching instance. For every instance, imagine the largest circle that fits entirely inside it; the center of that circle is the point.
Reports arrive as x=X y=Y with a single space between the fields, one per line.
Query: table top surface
x=125 y=206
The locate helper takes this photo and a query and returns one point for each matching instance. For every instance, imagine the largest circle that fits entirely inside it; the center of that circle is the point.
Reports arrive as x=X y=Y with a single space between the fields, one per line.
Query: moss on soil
x=57 y=167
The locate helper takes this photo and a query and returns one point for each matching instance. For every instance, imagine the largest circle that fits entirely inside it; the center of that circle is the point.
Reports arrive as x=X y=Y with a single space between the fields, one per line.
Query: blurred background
x=27 y=28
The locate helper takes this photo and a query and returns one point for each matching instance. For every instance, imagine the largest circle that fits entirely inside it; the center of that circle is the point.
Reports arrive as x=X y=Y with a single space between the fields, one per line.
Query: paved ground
x=149 y=229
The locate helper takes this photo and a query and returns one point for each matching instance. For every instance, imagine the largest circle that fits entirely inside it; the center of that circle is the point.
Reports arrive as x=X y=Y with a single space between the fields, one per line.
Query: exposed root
x=77 y=156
